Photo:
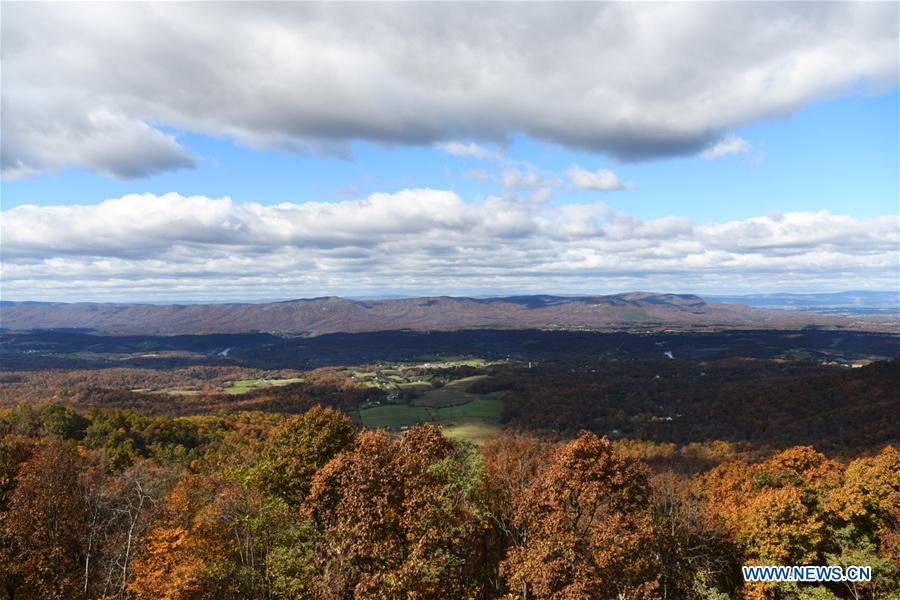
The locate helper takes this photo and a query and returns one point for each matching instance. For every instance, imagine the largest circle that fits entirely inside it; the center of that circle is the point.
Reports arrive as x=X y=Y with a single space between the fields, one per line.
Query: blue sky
x=839 y=155
x=319 y=157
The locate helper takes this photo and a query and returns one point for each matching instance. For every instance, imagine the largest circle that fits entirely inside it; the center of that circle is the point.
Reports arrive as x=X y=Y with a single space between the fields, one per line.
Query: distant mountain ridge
x=333 y=314
x=865 y=302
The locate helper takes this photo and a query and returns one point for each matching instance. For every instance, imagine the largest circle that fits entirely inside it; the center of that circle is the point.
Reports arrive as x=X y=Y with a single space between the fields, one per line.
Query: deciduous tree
x=300 y=447
x=586 y=521
x=46 y=524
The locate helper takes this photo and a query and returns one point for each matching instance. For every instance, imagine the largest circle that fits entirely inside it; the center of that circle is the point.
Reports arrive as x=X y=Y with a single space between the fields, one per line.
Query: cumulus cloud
x=104 y=142
x=731 y=144
x=420 y=241
x=528 y=178
x=633 y=80
x=471 y=149
x=517 y=176
x=601 y=180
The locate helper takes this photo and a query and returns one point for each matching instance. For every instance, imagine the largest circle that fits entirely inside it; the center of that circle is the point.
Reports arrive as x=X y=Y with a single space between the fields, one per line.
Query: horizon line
x=385 y=297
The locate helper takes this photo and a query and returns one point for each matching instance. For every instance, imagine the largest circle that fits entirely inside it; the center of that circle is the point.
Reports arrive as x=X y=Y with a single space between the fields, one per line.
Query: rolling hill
x=331 y=314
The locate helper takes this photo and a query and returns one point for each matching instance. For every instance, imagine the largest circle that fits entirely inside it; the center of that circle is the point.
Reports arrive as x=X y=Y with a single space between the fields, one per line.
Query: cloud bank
x=100 y=85
x=421 y=241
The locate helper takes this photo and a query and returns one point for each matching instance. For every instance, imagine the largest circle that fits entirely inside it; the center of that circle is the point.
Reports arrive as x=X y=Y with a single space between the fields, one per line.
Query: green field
x=448 y=363
x=476 y=419
x=452 y=393
x=393 y=415
x=476 y=431
x=481 y=407
x=172 y=392
x=461 y=415
x=418 y=386
x=390 y=379
x=242 y=386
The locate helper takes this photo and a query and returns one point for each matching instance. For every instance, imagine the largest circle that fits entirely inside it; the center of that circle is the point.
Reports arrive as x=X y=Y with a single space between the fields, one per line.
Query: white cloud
x=420 y=241
x=528 y=178
x=471 y=149
x=517 y=176
x=601 y=180
x=731 y=144
x=104 y=142
x=90 y=84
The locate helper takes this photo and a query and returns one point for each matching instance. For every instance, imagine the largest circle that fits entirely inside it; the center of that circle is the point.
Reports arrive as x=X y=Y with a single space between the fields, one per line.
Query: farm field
x=171 y=392
x=481 y=407
x=393 y=416
x=395 y=376
x=243 y=386
x=239 y=386
x=454 y=392
x=476 y=431
x=461 y=415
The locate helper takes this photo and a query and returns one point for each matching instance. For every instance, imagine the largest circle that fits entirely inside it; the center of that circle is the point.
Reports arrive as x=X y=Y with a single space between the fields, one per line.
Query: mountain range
x=333 y=314
x=865 y=302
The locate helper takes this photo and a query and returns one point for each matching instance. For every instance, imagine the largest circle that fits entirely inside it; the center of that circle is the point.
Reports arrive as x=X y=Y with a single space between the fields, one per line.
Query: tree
x=511 y=462
x=208 y=541
x=62 y=422
x=300 y=447
x=164 y=569
x=868 y=506
x=586 y=520
x=869 y=499
x=691 y=550
x=856 y=549
x=137 y=496
x=726 y=489
x=775 y=509
x=447 y=553
x=14 y=451
x=398 y=518
x=169 y=565
x=354 y=502
x=291 y=563
x=46 y=523
x=802 y=466
x=779 y=528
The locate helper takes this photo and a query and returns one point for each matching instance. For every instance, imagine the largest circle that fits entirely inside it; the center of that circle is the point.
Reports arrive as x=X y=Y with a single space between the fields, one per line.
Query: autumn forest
x=634 y=479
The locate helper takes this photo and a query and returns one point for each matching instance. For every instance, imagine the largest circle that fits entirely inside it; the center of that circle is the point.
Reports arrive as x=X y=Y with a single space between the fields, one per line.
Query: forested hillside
x=112 y=503
x=593 y=477
x=769 y=403
x=773 y=403
x=329 y=315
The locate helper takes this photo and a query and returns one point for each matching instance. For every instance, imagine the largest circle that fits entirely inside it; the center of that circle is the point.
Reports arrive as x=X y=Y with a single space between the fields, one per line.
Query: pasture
x=454 y=392
x=393 y=415
x=242 y=386
x=471 y=417
x=476 y=431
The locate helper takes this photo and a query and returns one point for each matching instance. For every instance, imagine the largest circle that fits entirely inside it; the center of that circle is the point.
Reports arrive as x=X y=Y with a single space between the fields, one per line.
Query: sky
x=182 y=152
